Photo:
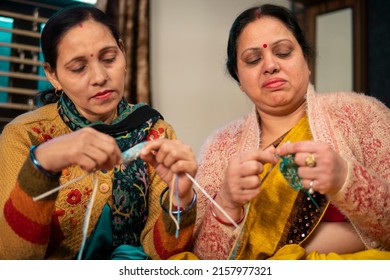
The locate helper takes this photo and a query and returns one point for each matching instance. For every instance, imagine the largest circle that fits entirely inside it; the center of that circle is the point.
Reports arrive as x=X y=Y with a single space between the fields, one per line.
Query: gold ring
x=310 y=161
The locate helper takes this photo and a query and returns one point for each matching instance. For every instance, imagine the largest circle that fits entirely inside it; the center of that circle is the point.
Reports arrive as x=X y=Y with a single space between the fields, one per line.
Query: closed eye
x=78 y=70
x=109 y=60
x=254 y=61
x=284 y=55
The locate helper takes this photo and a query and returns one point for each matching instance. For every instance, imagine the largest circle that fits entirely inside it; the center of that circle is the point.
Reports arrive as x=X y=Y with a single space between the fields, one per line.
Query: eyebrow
x=82 y=57
x=260 y=48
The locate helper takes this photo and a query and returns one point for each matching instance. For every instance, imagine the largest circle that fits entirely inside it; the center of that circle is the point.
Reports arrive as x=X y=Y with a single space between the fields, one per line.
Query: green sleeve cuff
x=34 y=182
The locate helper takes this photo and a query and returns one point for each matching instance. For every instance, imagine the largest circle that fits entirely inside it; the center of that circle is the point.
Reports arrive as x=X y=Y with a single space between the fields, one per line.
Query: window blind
x=21 y=72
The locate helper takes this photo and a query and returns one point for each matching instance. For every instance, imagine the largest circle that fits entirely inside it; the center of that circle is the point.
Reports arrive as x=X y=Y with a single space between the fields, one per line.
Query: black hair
x=56 y=28
x=279 y=12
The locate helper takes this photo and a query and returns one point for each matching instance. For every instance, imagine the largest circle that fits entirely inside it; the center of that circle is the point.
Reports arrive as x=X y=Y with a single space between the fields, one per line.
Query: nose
x=99 y=75
x=271 y=65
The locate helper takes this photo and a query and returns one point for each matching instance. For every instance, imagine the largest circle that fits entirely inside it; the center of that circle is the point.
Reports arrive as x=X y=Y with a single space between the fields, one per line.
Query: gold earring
x=58 y=92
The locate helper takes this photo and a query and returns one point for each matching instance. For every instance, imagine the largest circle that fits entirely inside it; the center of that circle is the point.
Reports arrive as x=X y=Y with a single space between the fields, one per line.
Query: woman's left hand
x=170 y=157
x=320 y=167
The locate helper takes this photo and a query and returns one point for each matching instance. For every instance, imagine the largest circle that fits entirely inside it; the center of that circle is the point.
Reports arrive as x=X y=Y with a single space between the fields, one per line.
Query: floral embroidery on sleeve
x=155 y=134
x=44 y=133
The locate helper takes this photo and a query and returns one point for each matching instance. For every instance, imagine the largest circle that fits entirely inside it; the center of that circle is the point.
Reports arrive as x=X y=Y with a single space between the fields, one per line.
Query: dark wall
x=378 y=33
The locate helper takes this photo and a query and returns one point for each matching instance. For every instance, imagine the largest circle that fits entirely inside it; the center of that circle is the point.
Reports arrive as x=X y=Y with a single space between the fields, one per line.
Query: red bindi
x=264 y=46
x=91 y=55
x=81 y=25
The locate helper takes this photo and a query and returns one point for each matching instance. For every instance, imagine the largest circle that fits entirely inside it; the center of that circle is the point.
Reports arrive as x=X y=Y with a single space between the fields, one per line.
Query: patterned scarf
x=130 y=183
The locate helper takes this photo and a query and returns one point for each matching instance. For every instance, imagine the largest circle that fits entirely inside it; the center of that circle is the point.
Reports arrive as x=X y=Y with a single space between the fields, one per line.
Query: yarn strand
x=88 y=216
x=172 y=189
x=212 y=200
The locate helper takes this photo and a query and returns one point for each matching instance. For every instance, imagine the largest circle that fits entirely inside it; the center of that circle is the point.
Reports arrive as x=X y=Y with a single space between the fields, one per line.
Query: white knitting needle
x=212 y=200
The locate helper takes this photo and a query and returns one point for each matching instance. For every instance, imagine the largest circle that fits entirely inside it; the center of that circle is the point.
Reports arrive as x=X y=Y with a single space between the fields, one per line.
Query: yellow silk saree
x=281 y=218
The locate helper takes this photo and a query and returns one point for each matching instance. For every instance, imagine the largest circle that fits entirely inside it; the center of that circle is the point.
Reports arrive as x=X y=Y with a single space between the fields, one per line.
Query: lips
x=103 y=94
x=274 y=83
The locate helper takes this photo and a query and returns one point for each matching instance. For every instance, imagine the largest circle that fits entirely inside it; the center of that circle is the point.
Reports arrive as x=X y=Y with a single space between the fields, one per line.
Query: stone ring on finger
x=311 y=185
x=310 y=161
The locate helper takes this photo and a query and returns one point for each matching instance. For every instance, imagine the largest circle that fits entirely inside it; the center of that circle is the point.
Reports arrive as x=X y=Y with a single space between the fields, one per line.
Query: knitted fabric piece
x=289 y=169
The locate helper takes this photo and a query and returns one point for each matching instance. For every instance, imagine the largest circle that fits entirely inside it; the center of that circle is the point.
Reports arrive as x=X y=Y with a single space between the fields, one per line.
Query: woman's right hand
x=241 y=183
x=87 y=147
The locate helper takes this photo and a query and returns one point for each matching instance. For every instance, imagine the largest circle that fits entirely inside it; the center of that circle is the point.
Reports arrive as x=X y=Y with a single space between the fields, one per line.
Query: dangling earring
x=58 y=92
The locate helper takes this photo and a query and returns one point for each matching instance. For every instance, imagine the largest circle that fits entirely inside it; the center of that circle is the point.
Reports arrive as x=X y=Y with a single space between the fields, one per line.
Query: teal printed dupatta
x=129 y=210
